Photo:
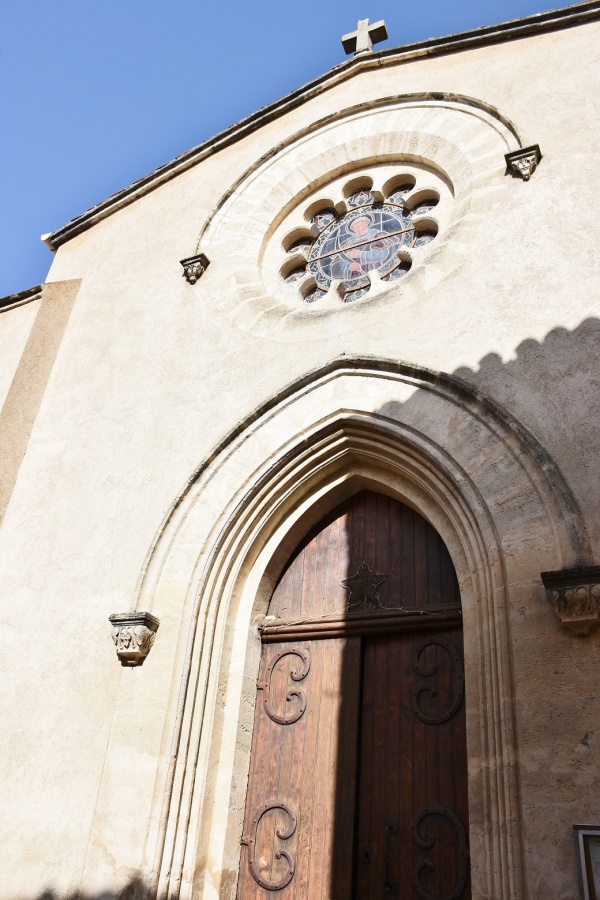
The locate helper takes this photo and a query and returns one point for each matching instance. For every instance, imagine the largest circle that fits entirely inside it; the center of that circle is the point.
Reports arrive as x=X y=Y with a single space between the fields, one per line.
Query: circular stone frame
x=290 y=250
x=463 y=142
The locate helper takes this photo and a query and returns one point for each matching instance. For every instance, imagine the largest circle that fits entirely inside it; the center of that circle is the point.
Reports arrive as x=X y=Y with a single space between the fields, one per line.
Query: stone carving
x=524 y=162
x=194 y=267
x=574 y=595
x=133 y=634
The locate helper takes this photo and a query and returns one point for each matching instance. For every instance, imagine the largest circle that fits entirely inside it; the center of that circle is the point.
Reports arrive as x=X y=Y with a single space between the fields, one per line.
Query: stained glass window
x=361 y=197
x=399 y=272
x=295 y=274
x=324 y=218
x=424 y=237
x=399 y=193
x=302 y=244
x=423 y=206
x=369 y=236
x=315 y=294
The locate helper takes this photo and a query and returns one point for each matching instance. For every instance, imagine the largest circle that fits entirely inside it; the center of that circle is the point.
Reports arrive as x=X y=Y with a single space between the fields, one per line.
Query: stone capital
x=133 y=634
x=194 y=267
x=574 y=595
x=525 y=161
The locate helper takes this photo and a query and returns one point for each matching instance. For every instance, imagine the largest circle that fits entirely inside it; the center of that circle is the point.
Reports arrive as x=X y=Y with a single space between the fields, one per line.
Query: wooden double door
x=358 y=776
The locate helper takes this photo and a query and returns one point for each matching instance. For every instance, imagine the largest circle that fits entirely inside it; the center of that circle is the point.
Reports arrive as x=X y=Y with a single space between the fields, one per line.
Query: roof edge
x=551 y=20
x=20 y=298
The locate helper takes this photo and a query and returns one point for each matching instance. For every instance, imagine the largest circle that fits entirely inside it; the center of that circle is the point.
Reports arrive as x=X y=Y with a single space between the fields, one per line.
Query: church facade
x=300 y=577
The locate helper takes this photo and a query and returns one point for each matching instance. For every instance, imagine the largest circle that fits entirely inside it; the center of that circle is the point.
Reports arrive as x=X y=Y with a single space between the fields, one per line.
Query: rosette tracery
x=369 y=234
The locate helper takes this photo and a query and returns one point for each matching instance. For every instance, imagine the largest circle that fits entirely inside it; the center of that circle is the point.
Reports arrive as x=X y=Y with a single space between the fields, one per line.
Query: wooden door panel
x=358 y=777
x=393 y=539
x=302 y=772
x=412 y=807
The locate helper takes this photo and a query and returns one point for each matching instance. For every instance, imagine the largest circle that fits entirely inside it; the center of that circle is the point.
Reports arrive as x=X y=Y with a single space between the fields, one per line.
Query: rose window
x=371 y=234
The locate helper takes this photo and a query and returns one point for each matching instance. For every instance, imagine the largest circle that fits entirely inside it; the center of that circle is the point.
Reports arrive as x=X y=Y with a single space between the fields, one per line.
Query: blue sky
x=97 y=94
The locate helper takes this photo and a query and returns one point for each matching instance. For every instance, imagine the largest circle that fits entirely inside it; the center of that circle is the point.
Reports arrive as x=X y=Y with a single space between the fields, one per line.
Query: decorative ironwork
x=194 y=267
x=458 y=682
x=363 y=587
x=265 y=686
x=427 y=843
x=284 y=835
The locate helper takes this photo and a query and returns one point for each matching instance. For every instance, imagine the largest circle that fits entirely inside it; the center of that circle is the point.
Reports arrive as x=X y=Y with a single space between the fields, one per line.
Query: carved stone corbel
x=133 y=634
x=574 y=595
x=194 y=267
x=525 y=161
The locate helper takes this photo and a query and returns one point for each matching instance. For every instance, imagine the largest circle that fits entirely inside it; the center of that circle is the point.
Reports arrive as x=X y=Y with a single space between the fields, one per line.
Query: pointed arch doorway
x=358 y=773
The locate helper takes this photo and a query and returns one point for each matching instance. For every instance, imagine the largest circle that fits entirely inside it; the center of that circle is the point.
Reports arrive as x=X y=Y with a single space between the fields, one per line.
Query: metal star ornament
x=363 y=587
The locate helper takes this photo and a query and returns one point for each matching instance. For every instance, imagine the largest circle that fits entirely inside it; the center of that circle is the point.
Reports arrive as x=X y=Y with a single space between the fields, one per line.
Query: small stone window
x=369 y=234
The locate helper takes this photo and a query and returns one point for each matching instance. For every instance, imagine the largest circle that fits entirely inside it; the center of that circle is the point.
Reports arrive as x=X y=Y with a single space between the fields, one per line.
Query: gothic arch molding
x=431 y=442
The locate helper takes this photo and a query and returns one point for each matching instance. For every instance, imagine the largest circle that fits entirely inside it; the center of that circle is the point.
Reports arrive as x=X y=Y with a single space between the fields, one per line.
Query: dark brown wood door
x=358 y=777
x=412 y=797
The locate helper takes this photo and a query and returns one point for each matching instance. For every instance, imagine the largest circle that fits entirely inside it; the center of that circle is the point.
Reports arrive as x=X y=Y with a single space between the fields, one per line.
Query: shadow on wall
x=553 y=388
x=381 y=827
x=135 y=889
x=549 y=380
x=550 y=385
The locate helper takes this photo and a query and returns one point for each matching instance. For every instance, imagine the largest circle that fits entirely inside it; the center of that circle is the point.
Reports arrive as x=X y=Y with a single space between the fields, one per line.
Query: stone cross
x=362 y=40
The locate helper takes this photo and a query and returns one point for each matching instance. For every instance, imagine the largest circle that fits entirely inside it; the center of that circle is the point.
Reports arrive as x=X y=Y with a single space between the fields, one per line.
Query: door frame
x=310 y=610
x=224 y=556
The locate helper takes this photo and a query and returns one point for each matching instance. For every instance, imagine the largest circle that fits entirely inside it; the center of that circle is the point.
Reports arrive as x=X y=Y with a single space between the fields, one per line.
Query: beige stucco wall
x=15 y=326
x=150 y=376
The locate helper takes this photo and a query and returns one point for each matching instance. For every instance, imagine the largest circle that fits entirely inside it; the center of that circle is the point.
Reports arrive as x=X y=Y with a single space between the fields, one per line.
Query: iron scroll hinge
x=284 y=834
